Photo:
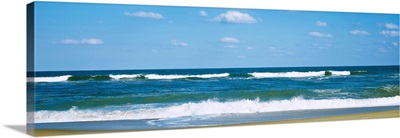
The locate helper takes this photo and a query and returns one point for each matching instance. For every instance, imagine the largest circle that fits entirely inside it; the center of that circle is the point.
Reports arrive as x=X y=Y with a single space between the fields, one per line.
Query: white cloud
x=177 y=43
x=318 y=34
x=359 y=32
x=230 y=46
x=382 y=50
x=141 y=14
x=203 y=13
x=229 y=40
x=241 y=56
x=250 y=48
x=321 y=24
x=391 y=26
x=90 y=41
x=69 y=41
x=395 y=44
x=170 y=21
x=390 y=33
x=235 y=17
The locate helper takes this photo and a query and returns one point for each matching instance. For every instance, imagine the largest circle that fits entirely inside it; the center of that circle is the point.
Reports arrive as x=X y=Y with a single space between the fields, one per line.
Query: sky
x=73 y=36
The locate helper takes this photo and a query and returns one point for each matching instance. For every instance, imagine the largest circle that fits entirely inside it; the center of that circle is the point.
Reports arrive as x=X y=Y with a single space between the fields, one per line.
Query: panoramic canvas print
x=105 y=67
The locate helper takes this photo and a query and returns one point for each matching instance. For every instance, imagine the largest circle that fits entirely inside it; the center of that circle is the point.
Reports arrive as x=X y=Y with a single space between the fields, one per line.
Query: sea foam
x=209 y=107
x=176 y=76
x=125 y=76
x=203 y=76
x=49 y=79
x=297 y=74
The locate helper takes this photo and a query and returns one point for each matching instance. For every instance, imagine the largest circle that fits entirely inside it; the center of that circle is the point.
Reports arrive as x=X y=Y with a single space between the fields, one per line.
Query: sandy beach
x=372 y=115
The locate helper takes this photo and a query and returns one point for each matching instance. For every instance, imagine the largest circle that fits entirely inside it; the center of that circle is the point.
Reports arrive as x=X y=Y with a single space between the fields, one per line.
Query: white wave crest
x=209 y=107
x=340 y=72
x=49 y=79
x=204 y=76
x=327 y=90
x=296 y=74
x=124 y=76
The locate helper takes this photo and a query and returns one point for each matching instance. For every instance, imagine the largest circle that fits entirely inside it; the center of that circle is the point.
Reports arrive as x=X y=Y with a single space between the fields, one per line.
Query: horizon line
x=209 y=68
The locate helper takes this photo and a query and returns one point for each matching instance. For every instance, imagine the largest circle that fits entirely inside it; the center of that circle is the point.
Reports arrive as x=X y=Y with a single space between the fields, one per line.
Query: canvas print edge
x=30 y=67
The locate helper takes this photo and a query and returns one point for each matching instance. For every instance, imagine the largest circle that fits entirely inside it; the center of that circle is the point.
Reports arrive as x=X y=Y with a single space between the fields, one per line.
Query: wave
x=124 y=76
x=203 y=76
x=159 y=77
x=94 y=77
x=298 y=74
x=385 y=91
x=326 y=90
x=209 y=107
x=49 y=79
x=360 y=72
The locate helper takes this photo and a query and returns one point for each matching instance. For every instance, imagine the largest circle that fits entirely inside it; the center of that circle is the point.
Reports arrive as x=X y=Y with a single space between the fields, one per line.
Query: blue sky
x=72 y=36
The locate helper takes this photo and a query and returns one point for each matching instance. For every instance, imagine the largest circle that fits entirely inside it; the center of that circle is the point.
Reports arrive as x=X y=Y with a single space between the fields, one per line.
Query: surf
x=124 y=76
x=49 y=79
x=208 y=107
x=295 y=74
x=203 y=76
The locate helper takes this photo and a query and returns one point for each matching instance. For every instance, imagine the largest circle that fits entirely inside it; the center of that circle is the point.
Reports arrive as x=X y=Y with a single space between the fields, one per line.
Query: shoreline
x=361 y=116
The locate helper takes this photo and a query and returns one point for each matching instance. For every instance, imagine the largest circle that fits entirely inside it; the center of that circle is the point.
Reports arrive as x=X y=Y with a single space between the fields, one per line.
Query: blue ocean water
x=182 y=95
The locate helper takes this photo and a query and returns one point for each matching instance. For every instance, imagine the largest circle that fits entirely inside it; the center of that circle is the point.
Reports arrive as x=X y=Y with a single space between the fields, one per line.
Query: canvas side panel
x=30 y=66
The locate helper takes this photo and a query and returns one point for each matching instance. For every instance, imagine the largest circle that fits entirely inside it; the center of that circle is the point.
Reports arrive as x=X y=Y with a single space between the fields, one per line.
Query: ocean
x=181 y=98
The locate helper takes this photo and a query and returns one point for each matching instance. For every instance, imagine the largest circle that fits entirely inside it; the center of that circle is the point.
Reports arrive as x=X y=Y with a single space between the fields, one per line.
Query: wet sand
x=371 y=115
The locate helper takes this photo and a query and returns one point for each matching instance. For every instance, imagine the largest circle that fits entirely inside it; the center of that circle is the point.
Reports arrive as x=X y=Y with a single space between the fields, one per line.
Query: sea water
x=175 y=98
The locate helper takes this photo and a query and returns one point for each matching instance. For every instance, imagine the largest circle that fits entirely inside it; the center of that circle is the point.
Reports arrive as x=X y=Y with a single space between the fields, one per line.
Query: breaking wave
x=49 y=79
x=203 y=76
x=200 y=76
x=208 y=107
x=298 y=74
x=124 y=76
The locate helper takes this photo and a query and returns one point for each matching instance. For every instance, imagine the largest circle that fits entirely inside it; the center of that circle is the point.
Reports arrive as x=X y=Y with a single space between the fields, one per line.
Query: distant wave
x=298 y=74
x=209 y=107
x=94 y=77
x=49 y=79
x=124 y=76
x=203 y=76
x=200 y=76
x=167 y=77
x=360 y=72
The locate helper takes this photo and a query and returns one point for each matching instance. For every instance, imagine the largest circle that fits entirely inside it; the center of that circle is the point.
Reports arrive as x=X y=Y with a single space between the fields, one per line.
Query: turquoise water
x=214 y=96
